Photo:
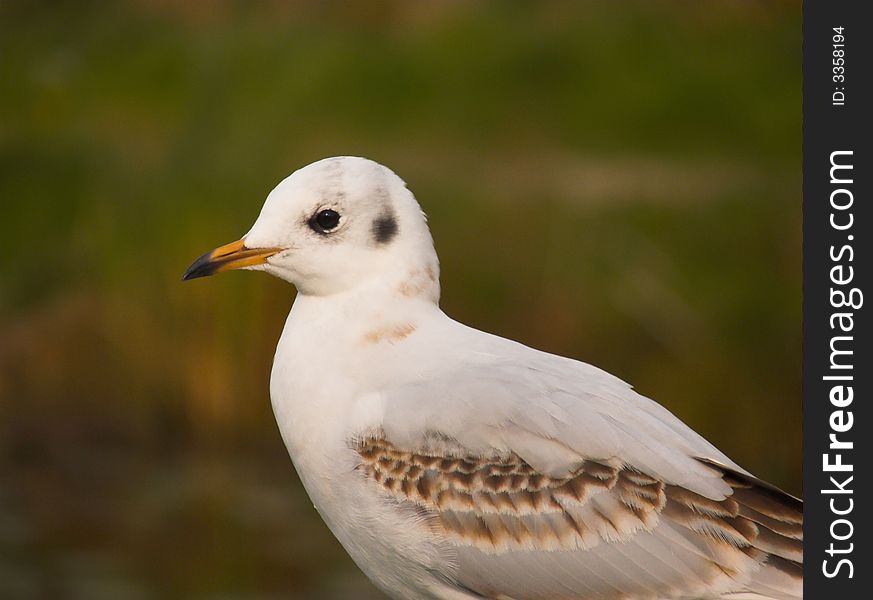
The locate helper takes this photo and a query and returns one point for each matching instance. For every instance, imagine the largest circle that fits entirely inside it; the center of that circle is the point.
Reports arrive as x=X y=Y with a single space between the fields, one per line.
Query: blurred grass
x=617 y=183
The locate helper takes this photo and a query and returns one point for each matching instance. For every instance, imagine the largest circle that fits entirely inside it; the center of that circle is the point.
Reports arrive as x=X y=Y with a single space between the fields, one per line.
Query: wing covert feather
x=604 y=531
x=551 y=478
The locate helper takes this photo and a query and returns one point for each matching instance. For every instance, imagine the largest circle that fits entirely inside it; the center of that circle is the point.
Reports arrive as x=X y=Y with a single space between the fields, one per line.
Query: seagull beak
x=231 y=256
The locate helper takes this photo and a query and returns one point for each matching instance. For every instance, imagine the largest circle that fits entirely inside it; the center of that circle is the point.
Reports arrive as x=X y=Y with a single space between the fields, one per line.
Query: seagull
x=454 y=464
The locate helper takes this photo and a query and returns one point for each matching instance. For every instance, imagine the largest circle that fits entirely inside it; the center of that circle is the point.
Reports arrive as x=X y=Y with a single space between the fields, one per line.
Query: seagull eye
x=324 y=220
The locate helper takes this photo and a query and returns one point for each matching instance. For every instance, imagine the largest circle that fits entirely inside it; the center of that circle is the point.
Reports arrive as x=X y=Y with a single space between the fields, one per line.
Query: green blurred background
x=617 y=182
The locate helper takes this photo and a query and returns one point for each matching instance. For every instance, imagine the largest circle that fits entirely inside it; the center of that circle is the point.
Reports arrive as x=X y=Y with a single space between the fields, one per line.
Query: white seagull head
x=333 y=226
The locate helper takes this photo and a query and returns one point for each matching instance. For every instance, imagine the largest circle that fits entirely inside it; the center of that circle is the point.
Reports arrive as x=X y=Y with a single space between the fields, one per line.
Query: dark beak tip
x=202 y=267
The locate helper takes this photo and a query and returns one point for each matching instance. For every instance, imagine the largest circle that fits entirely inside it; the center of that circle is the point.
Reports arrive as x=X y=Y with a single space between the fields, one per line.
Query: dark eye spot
x=324 y=221
x=384 y=228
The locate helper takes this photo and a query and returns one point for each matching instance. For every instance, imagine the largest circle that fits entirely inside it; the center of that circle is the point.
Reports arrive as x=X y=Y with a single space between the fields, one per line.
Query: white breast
x=325 y=394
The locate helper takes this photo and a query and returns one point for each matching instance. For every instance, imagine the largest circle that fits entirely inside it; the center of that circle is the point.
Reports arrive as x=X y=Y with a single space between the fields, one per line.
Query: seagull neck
x=384 y=299
x=397 y=281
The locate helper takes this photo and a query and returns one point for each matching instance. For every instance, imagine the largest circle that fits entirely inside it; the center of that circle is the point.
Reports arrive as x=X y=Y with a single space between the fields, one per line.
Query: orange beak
x=231 y=256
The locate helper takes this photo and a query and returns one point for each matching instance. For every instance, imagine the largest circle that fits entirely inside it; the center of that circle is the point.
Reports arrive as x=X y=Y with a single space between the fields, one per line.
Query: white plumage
x=451 y=463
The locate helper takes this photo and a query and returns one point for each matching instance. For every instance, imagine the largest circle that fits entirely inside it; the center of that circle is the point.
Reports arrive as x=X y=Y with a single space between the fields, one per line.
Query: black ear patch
x=384 y=228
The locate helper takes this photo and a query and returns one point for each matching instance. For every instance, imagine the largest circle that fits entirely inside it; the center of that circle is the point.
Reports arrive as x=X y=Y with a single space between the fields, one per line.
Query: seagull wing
x=549 y=478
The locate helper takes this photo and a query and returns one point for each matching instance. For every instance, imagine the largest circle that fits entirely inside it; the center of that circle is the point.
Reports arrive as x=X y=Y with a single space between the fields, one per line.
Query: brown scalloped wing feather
x=500 y=503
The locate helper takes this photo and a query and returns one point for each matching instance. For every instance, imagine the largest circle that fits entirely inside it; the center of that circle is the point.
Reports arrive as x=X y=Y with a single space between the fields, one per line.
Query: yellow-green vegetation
x=617 y=182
